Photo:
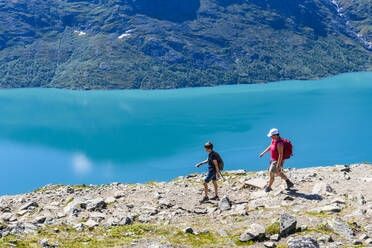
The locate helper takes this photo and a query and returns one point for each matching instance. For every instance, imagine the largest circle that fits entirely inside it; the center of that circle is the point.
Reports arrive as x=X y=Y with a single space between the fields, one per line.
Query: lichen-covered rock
x=287 y=224
x=255 y=231
x=224 y=204
x=322 y=188
x=340 y=227
x=302 y=242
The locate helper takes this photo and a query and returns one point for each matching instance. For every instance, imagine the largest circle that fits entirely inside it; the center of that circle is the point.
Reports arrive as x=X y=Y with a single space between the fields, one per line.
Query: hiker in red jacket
x=277 y=158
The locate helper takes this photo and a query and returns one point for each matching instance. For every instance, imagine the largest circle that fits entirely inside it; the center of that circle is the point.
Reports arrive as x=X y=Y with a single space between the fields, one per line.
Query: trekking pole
x=223 y=179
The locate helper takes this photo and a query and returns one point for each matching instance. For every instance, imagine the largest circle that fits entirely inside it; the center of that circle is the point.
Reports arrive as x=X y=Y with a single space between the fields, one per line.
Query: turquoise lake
x=97 y=137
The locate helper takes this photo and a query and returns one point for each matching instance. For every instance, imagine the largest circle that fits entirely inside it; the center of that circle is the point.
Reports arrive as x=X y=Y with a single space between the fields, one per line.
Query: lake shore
x=329 y=207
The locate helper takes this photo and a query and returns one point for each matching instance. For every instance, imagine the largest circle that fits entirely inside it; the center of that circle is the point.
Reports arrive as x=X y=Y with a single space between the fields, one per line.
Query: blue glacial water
x=96 y=137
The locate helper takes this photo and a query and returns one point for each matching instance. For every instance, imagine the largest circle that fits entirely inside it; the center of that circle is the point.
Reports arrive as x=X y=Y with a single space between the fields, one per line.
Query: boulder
x=110 y=200
x=325 y=238
x=254 y=232
x=254 y=184
x=143 y=218
x=188 y=230
x=28 y=205
x=269 y=244
x=200 y=210
x=7 y=217
x=275 y=237
x=91 y=223
x=125 y=221
x=329 y=208
x=165 y=203
x=302 y=242
x=287 y=224
x=363 y=236
x=224 y=204
x=338 y=226
x=96 y=204
x=74 y=207
x=240 y=209
x=322 y=188
x=40 y=219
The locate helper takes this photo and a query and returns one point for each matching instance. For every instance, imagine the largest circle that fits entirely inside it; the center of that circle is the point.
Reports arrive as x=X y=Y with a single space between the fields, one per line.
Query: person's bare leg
x=206 y=189
x=215 y=187
x=271 y=181
x=283 y=176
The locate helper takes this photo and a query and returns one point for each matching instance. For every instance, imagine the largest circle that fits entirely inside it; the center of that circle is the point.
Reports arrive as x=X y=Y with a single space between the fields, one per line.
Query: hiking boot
x=289 y=184
x=267 y=189
x=215 y=198
x=205 y=198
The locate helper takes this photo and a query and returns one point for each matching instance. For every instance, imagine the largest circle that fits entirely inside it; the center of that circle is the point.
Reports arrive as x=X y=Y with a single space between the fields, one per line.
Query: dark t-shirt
x=212 y=156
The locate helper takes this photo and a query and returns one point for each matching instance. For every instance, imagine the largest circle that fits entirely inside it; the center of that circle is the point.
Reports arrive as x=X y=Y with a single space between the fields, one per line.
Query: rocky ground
x=329 y=207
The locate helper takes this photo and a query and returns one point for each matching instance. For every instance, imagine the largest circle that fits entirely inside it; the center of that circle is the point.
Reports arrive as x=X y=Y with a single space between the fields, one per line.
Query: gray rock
x=165 y=203
x=224 y=204
x=143 y=218
x=188 y=230
x=158 y=246
x=275 y=237
x=6 y=217
x=75 y=207
x=200 y=210
x=44 y=243
x=322 y=188
x=363 y=236
x=325 y=238
x=269 y=244
x=368 y=241
x=40 y=219
x=28 y=205
x=302 y=242
x=357 y=242
x=125 y=221
x=255 y=231
x=338 y=200
x=112 y=221
x=237 y=172
x=79 y=227
x=70 y=190
x=331 y=208
x=110 y=200
x=340 y=227
x=287 y=224
x=91 y=223
x=96 y=204
x=361 y=199
x=254 y=184
x=240 y=209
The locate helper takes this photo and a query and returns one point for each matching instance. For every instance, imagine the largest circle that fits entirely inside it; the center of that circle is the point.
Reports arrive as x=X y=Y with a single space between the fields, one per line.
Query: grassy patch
x=99 y=237
x=281 y=246
x=201 y=240
x=273 y=229
x=321 y=228
x=320 y=215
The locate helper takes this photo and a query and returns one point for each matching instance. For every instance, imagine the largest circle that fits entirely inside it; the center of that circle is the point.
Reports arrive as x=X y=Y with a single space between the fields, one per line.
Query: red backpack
x=288 y=149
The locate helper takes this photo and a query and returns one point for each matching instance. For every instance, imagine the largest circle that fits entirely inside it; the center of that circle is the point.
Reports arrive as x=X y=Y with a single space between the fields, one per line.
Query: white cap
x=273 y=132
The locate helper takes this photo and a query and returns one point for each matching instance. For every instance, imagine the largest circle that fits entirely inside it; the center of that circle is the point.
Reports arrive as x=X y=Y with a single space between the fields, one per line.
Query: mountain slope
x=176 y=43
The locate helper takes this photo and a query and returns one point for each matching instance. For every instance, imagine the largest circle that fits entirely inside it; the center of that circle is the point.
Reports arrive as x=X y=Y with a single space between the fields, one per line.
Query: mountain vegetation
x=148 y=44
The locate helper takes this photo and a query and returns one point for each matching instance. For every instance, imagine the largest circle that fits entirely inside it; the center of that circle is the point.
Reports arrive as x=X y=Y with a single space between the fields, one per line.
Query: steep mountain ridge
x=169 y=44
